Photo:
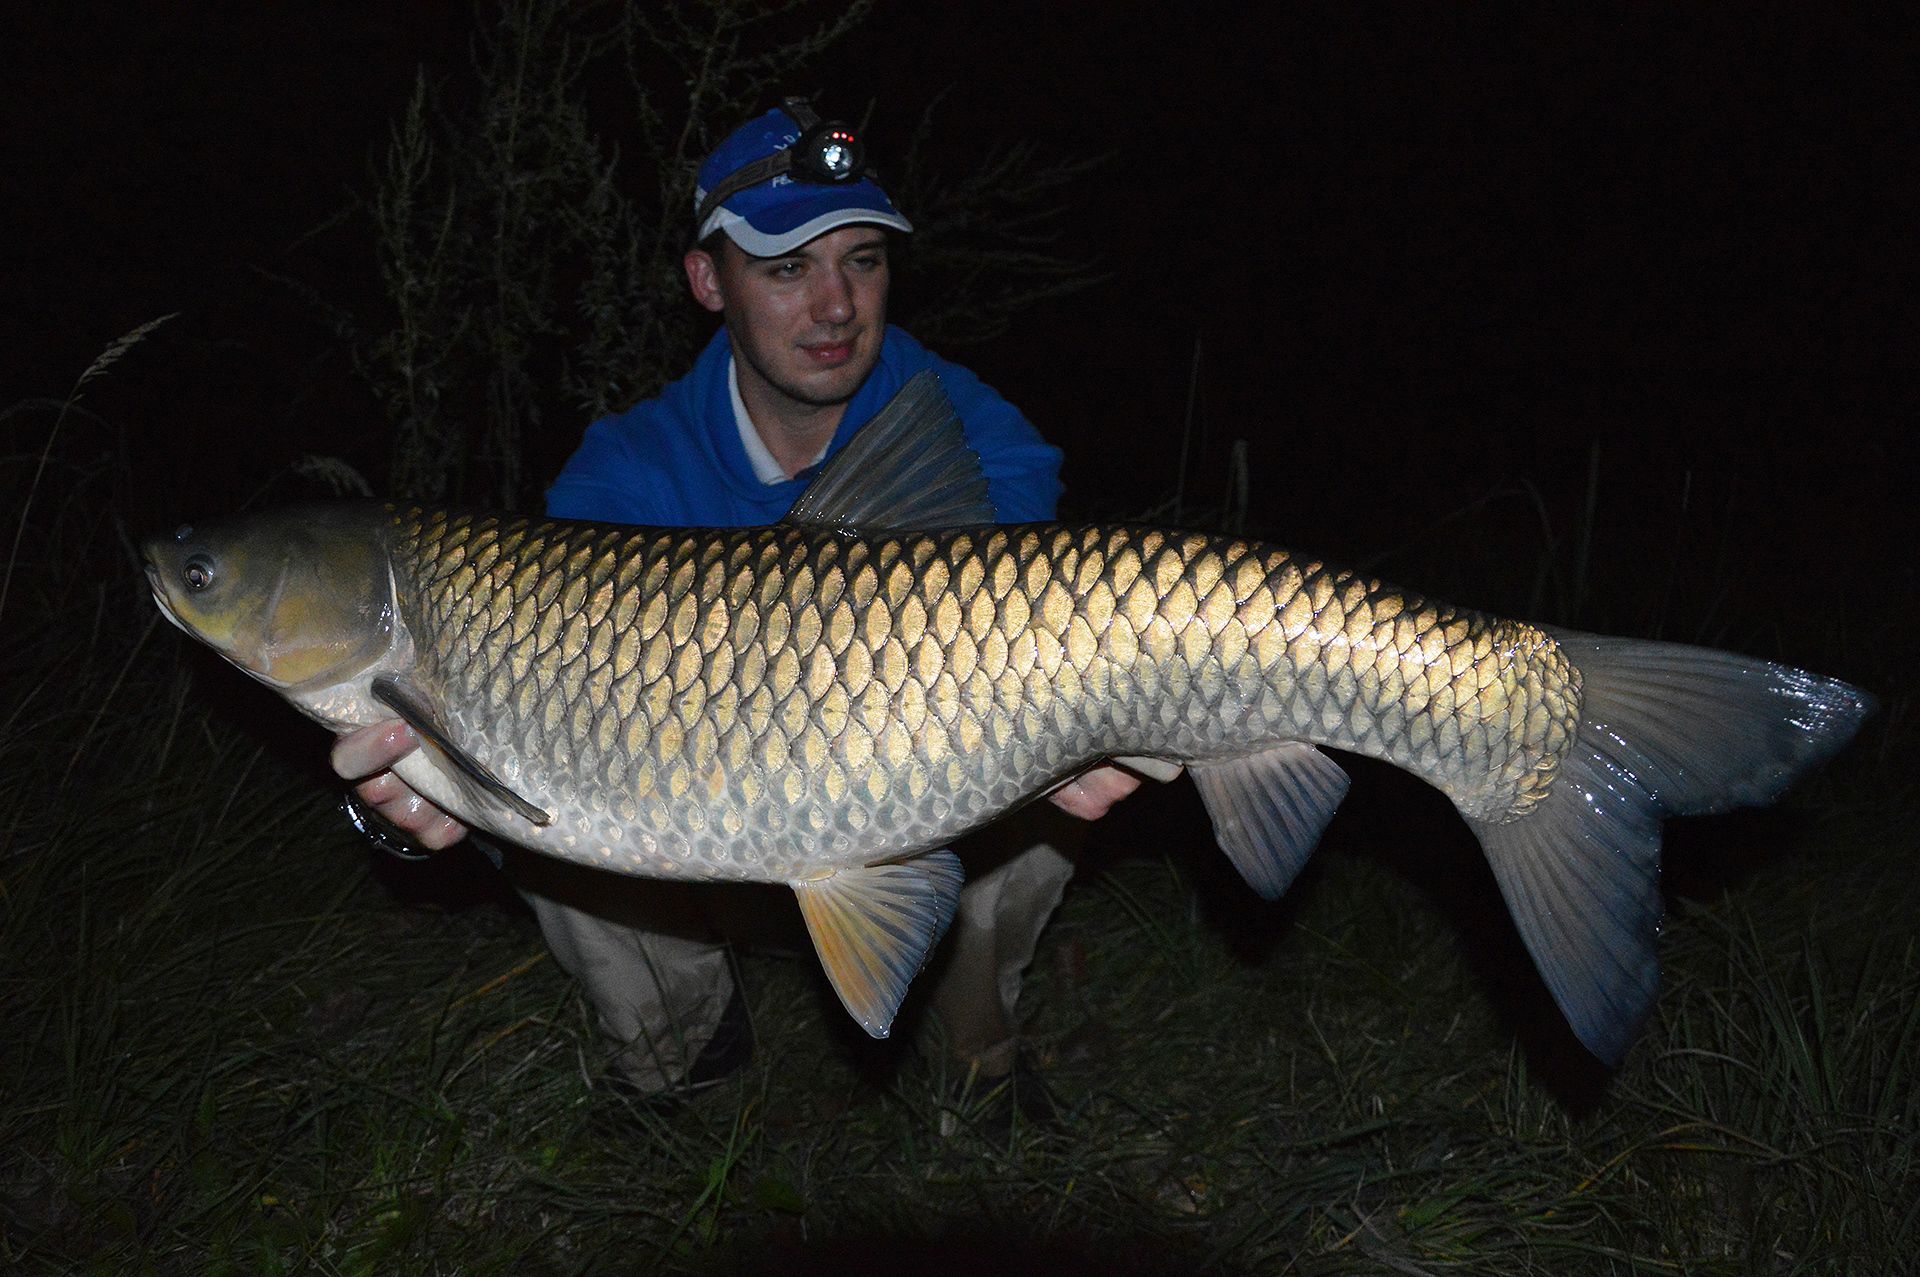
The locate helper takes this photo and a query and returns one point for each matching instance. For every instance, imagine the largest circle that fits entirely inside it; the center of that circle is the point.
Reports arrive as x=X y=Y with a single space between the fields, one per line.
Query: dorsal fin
x=907 y=470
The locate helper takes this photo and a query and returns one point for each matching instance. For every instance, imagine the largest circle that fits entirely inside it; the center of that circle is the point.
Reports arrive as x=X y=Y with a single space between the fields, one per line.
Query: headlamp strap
x=802 y=112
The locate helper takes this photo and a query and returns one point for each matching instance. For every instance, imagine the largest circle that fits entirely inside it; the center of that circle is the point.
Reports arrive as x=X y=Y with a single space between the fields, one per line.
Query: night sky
x=1434 y=258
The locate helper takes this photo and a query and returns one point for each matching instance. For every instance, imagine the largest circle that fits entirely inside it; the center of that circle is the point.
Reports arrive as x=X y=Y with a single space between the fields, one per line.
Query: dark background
x=1435 y=260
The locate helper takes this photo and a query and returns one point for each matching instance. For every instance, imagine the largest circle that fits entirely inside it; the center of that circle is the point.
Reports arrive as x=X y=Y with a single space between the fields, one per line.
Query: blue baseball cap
x=778 y=215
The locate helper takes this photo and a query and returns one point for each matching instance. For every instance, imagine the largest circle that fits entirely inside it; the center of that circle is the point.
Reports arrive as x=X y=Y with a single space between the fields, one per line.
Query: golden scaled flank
x=845 y=673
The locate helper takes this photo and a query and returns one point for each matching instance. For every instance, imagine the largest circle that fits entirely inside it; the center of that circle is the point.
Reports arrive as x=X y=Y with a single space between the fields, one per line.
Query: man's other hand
x=1092 y=793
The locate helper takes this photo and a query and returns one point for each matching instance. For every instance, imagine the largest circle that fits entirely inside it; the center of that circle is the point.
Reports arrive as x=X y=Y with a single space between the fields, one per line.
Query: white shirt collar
x=765 y=468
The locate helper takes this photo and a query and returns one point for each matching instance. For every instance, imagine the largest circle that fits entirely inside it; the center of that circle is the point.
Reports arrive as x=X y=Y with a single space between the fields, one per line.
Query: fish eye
x=184 y=532
x=197 y=573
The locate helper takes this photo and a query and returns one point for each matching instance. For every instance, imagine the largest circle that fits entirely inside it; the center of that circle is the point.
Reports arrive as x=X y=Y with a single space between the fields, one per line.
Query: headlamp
x=827 y=152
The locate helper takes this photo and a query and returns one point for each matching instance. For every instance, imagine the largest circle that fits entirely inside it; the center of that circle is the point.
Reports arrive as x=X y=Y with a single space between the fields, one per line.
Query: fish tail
x=1664 y=730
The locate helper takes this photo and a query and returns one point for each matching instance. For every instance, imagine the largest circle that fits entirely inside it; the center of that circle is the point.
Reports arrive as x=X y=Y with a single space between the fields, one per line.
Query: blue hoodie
x=677 y=460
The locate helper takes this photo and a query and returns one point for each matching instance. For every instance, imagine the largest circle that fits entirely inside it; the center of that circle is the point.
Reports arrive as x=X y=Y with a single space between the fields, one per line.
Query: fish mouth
x=156 y=583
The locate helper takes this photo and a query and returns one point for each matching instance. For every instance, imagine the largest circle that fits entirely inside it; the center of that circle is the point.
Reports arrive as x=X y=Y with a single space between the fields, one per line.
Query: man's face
x=806 y=325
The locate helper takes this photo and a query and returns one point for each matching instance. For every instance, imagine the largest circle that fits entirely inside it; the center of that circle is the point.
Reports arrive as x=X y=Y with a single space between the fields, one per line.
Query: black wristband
x=381 y=832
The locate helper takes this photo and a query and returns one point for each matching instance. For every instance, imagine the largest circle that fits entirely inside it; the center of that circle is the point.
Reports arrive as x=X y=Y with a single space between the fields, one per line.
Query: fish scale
x=892 y=692
x=828 y=702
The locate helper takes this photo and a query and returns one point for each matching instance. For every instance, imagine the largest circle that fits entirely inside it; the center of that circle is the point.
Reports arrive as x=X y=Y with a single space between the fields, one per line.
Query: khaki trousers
x=652 y=955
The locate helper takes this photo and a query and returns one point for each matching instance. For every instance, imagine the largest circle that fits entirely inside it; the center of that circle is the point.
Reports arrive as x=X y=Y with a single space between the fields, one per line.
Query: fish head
x=301 y=598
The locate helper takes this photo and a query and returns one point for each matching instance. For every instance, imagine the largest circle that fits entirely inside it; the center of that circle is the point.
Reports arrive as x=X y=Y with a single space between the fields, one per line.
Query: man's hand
x=368 y=756
x=1092 y=793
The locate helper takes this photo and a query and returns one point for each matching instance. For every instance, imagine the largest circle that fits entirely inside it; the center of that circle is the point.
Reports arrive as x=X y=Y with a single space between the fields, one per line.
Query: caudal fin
x=1665 y=730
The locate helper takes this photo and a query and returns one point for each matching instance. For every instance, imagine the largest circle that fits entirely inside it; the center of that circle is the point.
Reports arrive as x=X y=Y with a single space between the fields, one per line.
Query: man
x=793 y=256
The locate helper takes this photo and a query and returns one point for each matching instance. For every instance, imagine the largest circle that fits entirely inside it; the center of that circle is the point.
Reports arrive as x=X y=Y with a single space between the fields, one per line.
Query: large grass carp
x=830 y=701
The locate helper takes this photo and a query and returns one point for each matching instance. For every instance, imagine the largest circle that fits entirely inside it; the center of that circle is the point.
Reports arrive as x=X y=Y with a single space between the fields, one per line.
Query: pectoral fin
x=873 y=927
x=483 y=786
x=1269 y=809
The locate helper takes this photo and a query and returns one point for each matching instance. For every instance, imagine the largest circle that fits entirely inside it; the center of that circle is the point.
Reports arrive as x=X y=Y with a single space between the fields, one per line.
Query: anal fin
x=873 y=927
x=412 y=705
x=1269 y=809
